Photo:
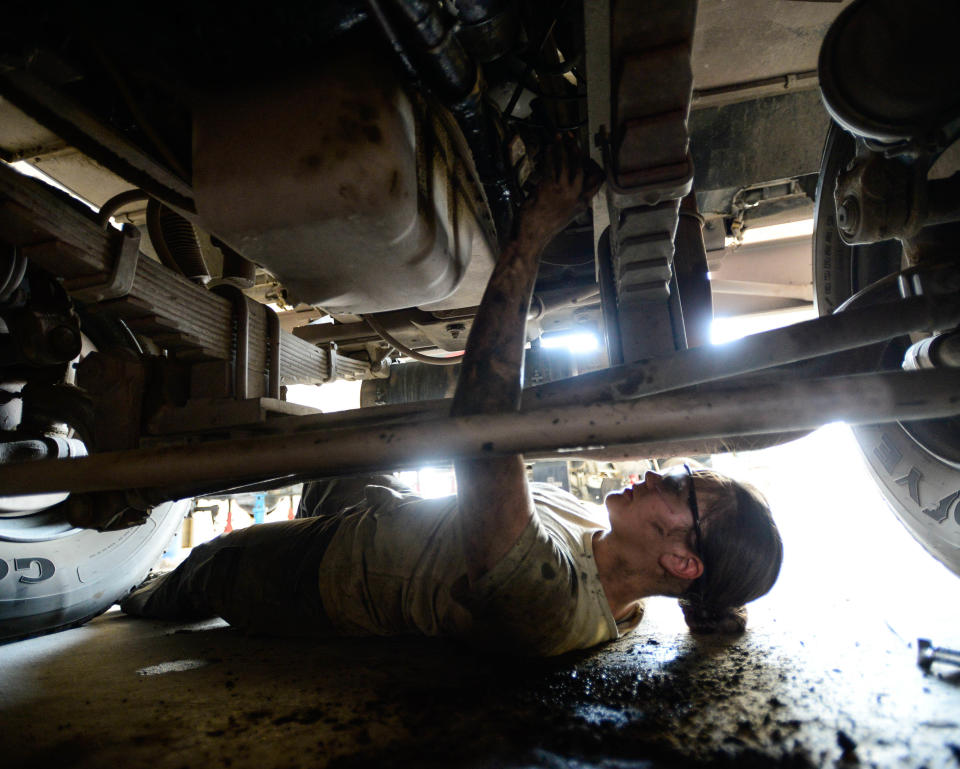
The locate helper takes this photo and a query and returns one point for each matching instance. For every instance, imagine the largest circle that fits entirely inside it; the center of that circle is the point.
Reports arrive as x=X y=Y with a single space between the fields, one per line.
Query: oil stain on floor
x=657 y=698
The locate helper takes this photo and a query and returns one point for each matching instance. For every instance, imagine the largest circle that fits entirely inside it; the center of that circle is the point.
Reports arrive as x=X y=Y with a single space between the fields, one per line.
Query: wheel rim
x=843 y=270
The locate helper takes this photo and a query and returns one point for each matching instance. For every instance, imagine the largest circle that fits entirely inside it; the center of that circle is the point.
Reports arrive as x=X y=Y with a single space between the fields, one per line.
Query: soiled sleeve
x=531 y=602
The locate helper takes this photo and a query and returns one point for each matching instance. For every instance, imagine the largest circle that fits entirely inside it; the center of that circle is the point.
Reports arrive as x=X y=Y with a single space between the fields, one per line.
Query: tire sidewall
x=922 y=490
x=56 y=583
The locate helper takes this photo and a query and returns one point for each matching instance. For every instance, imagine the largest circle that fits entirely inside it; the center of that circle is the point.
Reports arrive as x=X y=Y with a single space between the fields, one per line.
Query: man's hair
x=741 y=552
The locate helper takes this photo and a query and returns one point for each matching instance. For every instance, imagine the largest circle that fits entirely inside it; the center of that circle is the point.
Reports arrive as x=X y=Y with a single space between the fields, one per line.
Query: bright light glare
x=430 y=482
x=728 y=329
x=575 y=342
x=436 y=482
x=334 y=396
x=824 y=498
x=28 y=170
x=775 y=232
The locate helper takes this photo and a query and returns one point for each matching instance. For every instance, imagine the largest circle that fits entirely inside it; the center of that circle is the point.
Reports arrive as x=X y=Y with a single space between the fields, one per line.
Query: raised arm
x=494 y=501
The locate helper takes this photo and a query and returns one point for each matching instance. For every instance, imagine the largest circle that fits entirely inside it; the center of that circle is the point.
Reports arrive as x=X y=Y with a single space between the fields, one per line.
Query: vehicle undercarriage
x=320 y=194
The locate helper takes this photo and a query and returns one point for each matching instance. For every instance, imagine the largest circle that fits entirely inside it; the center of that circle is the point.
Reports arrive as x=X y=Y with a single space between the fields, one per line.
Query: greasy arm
x=494 y=501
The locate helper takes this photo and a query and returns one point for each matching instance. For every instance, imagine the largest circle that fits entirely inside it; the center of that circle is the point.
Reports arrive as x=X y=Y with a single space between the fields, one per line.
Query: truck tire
x=922 y=486
x=69 y=577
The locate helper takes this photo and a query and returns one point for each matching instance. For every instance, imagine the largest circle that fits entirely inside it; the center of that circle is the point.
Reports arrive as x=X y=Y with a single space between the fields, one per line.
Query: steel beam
x=78 y=127
x=596 y=31
x=801 y=341
x=685 y=415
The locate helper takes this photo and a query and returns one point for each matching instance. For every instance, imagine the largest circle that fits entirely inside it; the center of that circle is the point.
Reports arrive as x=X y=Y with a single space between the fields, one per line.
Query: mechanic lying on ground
x=524 y=569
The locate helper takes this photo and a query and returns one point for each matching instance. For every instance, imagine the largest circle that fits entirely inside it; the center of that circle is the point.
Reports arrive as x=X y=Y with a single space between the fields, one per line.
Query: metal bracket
x=122 y=274
x=666 y=182
x=331 y=362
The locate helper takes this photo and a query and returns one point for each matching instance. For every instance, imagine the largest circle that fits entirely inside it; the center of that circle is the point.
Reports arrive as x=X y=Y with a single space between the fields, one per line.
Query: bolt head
x=848 y=216
x=65 y=342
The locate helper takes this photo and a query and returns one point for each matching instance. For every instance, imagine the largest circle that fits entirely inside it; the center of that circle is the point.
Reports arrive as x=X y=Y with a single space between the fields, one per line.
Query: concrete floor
x=122 y=692
x=826 y=676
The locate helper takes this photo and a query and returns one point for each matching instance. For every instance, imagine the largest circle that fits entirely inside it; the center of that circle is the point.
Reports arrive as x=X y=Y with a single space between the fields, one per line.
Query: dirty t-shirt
x=396 y=566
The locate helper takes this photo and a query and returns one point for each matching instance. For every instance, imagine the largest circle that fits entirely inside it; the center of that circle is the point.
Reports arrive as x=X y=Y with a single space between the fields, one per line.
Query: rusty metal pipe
x=758 y=409
x=693 y=277
x=608 y=301
x=822 y=336
x=800 y=341
x=695 y=447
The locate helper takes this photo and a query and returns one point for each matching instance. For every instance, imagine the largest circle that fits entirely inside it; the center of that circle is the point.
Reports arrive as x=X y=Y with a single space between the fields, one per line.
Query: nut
x=848 y=216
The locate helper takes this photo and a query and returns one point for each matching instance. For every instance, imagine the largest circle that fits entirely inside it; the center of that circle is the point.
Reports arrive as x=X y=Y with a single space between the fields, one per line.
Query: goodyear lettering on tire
x=30 y=571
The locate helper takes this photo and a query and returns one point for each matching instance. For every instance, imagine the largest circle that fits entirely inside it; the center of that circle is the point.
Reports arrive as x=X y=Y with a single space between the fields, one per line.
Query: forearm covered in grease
x=494 y=500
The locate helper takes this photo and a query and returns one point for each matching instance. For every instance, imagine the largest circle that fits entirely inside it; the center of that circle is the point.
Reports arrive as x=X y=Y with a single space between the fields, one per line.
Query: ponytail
x=708 y=620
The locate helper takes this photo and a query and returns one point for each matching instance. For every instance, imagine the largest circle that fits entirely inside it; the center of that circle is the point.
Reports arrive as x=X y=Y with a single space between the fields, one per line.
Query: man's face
x=648 y=512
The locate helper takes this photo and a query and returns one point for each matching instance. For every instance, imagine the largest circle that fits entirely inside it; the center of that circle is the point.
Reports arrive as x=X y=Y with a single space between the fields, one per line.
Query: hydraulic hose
x=451 y=73
x=390 y=339
x=117 y=202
